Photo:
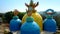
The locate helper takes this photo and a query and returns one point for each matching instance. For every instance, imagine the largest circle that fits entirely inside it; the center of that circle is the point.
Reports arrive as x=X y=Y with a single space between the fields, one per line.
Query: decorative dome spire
x=31 y=2
x=49 y=13
x=16 y=12
x=33 y=5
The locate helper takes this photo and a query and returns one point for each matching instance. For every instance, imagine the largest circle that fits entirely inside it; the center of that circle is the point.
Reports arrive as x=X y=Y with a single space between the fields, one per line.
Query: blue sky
x=8 y=5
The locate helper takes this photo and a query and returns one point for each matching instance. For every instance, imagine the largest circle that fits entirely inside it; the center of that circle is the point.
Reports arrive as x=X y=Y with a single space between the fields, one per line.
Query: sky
x=10 y=5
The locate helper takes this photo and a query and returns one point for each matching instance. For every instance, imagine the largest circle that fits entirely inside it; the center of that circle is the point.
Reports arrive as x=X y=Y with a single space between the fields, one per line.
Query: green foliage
x=1 y=14
x=57 y=18
x=21 y=14
x=8 y=16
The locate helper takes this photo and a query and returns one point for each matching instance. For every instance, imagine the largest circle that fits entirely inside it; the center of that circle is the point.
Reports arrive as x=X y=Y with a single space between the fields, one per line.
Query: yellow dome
x=37 y=18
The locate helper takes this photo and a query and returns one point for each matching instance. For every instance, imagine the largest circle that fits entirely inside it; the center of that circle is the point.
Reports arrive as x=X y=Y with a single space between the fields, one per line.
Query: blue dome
x=30 y=27
x=15 y=24
x=50 y=25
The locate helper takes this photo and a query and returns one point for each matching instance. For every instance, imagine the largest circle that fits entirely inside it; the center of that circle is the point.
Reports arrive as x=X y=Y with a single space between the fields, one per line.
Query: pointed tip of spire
x=16 y=12
x=31 y=2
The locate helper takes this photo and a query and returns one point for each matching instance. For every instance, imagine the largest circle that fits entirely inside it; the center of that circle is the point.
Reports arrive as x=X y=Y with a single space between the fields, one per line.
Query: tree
x=21 y=14
x=8 y=16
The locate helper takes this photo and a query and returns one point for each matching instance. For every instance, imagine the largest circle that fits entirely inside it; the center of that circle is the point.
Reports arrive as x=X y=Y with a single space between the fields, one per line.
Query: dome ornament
x=16 y=12
x=33 y=5
x=32 y=12
x=50 y=12
x=49 y=23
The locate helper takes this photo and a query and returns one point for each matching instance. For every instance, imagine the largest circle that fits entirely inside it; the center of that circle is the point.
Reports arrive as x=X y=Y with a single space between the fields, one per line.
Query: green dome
x=49 y=16
x=15 y=17
x=29 y=19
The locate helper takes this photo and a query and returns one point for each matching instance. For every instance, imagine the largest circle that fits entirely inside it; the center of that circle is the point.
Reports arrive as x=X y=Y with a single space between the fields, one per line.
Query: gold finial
x=29 y=13
x=16 y=12
x=33 y=5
